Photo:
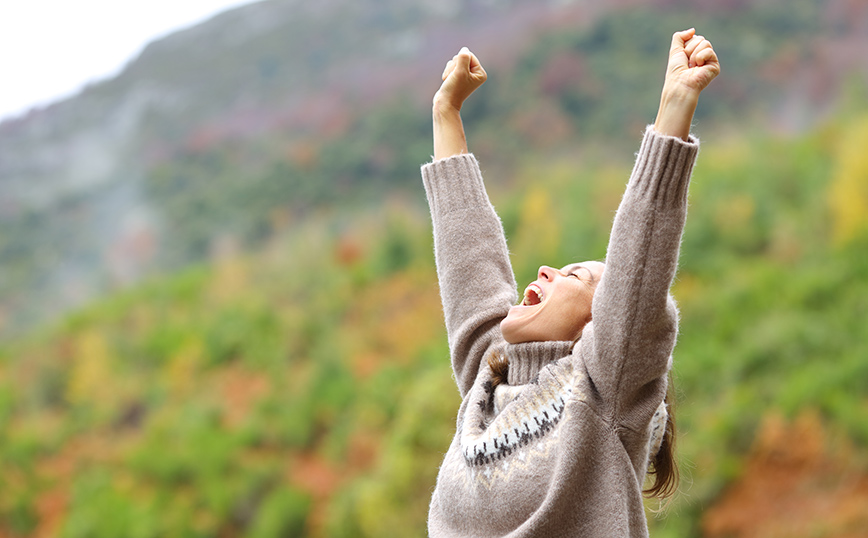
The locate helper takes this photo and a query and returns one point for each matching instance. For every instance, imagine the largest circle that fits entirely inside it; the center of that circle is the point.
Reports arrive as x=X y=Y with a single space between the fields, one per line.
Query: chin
x=511 y=333
x=507 y=334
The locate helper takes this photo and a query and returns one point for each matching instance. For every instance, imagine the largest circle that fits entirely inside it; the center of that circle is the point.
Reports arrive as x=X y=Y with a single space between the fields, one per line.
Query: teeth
x=536 y=291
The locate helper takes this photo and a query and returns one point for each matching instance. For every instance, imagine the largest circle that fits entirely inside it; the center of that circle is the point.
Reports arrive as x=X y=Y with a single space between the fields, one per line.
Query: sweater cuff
x=664 y=165
x=453 y=184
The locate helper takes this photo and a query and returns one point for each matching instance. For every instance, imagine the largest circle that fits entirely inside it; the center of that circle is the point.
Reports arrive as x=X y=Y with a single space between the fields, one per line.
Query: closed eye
x=590 y=278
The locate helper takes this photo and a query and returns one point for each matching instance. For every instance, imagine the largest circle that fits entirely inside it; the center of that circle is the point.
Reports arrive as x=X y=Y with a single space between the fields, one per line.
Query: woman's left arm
x=692 y=66
x=634 y=321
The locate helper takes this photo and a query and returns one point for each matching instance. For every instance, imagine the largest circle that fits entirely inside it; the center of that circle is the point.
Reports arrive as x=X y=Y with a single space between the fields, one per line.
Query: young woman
x=563 y=394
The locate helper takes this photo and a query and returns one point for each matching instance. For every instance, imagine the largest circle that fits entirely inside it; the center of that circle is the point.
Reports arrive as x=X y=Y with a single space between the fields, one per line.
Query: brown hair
x=499 y=365
x=663 y=465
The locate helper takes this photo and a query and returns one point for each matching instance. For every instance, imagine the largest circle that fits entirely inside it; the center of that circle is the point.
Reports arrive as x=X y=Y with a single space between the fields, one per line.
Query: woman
x=560 y=392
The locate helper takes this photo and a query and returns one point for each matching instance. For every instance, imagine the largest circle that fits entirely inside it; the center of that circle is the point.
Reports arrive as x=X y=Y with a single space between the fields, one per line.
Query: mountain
x=276 y=364
x=228 y=132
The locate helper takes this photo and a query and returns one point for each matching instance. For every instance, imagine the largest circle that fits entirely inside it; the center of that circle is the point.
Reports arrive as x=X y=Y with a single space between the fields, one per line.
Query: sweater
x=562 y=449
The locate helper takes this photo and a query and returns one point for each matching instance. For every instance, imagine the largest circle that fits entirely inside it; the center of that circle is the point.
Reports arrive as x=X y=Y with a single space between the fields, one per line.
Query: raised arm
x=477 y=286
x=692 y=65
x=634 y=320
x=461 y=77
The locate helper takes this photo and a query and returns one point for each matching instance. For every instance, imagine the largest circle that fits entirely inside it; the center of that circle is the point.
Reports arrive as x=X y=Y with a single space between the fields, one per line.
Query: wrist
x=445 y=115
x=675 y=114
x=678 y=97
x=442 y=108
x=449 y=138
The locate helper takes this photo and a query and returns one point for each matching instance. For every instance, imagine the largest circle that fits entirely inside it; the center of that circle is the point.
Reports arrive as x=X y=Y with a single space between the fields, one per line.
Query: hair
x=499 y=365
x=662 y=466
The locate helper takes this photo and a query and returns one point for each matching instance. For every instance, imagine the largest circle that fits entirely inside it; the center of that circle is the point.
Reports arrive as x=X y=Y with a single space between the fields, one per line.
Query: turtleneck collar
x=527 y=359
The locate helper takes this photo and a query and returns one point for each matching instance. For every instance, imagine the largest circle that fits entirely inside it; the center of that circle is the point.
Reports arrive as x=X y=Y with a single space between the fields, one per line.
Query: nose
x=546 y=273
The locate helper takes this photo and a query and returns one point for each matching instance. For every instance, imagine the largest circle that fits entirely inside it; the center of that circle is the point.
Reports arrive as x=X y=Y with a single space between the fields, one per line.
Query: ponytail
x=499 y=365
x=663 y=466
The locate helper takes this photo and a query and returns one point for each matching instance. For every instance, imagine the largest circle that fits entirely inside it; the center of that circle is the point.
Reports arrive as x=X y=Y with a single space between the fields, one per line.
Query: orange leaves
x=794 y=484
x=348 y=251
x=391 y=321
x=240 y=390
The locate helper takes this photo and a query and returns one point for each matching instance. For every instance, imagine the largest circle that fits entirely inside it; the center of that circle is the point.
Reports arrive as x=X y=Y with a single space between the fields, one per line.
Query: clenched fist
x=462 y=75
x=693 y=64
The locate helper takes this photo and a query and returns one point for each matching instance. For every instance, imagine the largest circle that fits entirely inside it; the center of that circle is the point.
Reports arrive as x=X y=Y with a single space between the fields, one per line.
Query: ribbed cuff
x=454 y=183
x=527 y=359
x=664 y=164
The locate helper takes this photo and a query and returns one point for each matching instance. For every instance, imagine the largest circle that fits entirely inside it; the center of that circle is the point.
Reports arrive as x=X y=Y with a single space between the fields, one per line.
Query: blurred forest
x=265 y=356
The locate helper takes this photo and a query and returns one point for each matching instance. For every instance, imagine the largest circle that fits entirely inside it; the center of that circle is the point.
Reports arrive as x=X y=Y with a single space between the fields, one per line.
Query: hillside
x=218 y=303
x=304 y=389
x=233 y=131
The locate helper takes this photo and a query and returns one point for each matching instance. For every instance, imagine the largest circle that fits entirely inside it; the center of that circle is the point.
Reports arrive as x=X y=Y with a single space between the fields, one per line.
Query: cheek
x=571 y=325
x=567 y=320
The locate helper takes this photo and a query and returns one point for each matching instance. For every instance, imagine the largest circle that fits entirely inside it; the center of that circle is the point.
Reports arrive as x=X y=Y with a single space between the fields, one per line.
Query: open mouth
x=533 y=295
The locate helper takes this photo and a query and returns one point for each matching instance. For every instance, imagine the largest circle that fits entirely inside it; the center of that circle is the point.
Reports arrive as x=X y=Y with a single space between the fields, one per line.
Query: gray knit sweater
x=562 y=449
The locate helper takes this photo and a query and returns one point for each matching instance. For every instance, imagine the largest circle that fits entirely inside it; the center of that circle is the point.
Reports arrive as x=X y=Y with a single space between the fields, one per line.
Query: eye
x=575 y=275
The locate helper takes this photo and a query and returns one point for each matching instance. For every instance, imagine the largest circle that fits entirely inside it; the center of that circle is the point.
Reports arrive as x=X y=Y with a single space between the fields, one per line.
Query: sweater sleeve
x=634 y=319
x=477 y=285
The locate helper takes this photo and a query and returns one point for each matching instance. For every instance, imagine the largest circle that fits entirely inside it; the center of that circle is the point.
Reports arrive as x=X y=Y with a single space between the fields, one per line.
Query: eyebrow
x=576 y=267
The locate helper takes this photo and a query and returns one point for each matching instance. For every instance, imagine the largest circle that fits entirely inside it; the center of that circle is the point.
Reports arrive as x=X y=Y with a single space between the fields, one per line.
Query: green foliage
x=304 y=395
x=303 y=388
x=282 y=513
x=311 y=394
x=397 y=490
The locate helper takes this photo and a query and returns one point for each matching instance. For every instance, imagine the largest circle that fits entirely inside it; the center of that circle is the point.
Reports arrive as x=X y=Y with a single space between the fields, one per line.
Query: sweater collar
x=528 y=358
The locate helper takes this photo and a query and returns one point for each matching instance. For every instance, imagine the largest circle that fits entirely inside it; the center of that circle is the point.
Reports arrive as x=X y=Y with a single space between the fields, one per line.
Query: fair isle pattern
x=533 y=415
x=522 y=460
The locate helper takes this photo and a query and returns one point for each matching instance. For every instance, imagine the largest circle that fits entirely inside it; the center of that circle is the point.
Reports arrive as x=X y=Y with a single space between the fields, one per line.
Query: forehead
x=573 y=267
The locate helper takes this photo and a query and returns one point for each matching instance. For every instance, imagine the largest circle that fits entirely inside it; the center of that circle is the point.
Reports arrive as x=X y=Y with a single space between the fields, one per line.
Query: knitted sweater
x=562 y=449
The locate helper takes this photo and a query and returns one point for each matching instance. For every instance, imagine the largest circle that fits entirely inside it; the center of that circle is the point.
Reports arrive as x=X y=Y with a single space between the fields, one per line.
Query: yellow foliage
x=89 y=379
x=734 y=212
x=730 y=154
x=848 y=192
x=609 y=185
x=687 y=287
x=180 y=373
x=230 y=279
x=539 y=231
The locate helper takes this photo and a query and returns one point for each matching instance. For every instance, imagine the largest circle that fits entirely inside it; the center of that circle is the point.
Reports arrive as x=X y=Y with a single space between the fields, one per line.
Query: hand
x=462 y=75
x=693 y=64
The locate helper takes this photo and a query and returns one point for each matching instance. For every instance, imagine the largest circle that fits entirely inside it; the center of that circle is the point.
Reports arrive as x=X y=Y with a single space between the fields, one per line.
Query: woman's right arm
x=477 y=286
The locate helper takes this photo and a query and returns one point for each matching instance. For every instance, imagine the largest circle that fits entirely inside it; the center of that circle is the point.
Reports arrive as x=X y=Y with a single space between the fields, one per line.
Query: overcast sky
x=51 y=48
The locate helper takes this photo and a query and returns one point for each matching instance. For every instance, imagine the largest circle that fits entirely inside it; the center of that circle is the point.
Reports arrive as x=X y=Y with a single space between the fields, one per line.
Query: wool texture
x=562 y=448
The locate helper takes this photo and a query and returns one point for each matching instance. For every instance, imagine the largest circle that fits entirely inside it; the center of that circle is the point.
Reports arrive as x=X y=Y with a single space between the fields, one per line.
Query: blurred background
x=218 y=305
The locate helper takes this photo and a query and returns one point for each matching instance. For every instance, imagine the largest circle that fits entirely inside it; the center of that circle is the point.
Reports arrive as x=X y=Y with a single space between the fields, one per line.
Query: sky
x=49 y=49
